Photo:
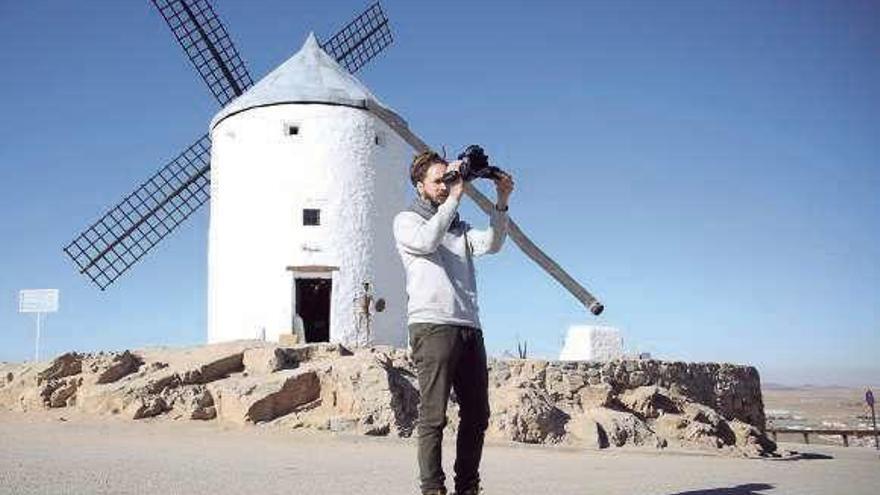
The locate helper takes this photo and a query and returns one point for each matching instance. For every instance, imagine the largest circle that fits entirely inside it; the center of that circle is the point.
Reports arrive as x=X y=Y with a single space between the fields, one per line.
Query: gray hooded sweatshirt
x=437 y=255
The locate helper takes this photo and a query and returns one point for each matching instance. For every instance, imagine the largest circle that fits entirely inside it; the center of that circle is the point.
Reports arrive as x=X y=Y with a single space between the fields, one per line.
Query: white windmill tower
x=304 y=186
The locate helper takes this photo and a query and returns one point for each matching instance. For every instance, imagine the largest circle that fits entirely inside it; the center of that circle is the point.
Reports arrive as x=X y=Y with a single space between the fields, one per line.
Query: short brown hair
x=421 y=163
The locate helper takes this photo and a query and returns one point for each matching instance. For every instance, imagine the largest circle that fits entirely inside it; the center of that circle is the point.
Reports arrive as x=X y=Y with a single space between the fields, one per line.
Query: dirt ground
x=56 y=452
x=818 y=407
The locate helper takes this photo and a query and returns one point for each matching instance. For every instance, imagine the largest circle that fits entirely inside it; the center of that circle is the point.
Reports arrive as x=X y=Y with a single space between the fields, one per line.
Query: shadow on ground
x=747 y=489
x=803 y=456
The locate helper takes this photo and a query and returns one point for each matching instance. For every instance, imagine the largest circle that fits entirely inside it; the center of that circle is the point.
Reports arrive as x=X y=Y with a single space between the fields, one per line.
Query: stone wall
x=734 y=391
x=374 y=391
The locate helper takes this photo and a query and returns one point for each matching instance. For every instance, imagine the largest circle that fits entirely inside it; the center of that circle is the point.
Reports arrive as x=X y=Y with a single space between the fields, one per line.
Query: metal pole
x=37 y=343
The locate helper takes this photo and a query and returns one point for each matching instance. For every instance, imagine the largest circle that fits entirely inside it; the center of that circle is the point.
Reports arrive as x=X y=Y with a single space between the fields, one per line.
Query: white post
x=37 y=343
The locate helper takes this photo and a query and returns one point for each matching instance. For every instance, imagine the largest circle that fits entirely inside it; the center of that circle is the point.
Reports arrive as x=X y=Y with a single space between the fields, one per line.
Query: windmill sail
x=360 y=40
x=113 y=244
x=208 y=46
x=130 y=229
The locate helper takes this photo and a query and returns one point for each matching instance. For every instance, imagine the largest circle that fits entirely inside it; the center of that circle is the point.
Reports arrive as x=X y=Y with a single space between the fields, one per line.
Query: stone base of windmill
x=373 y=391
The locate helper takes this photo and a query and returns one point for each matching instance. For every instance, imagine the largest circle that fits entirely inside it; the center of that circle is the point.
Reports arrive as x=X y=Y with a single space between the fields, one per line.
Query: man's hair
x=421 y=163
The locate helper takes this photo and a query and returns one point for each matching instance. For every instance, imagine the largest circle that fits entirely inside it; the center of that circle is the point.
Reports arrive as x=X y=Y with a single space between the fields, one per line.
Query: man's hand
x=503 y=187
x=456 y=188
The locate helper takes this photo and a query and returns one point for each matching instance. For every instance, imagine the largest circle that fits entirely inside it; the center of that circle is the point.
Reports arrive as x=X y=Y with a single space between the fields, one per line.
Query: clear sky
x=711 y=170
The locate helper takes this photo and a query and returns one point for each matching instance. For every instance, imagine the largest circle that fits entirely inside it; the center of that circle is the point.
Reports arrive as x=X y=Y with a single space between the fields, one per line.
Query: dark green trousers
x=450 y=357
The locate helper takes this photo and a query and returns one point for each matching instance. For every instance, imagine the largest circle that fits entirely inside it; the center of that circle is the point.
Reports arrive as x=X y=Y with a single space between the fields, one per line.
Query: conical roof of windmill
x=309 y=76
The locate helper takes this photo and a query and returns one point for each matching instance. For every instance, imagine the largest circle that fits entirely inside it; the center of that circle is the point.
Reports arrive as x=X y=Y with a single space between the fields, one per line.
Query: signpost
x=869 y=398
x=38 y=301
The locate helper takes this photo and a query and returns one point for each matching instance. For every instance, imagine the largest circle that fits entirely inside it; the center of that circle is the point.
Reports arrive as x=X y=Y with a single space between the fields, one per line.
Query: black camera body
x=474 y=165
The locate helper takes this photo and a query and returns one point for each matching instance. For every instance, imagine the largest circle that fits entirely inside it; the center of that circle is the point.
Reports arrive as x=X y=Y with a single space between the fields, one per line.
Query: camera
x=474 y=165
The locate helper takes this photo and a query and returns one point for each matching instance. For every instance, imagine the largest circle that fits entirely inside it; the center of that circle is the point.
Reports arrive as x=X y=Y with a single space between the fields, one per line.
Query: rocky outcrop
x=374 y=391
x=257 y=399
x=642 y=403
x=524 y=412
x=108 y=368
x=65 y=365
x=733 y=391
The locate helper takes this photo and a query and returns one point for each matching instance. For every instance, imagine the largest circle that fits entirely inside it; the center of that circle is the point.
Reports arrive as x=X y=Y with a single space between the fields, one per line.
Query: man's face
x=432 y=187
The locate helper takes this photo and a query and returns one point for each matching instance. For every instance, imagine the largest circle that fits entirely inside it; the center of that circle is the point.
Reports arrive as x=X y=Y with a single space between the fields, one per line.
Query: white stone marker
x=592 y=343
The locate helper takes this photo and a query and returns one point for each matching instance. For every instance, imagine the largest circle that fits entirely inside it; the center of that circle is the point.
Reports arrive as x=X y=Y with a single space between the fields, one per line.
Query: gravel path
x=39 y=453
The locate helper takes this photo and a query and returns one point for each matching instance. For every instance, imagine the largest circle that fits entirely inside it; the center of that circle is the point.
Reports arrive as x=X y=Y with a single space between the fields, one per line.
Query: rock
x=157 y=365
x=63 y=366
x=574 y=382
x=268 y=360
x=299 y=389
x=202 y=364
x=585 y=431
x=374 y=391
x=214 y=370
x=702 y=414
x=317 y=351
x=264 y=360
x=620 y=428
x=670 y=426
x=698 y=426
x=150 y=407
x=751 y=441
x=258 y=399
x=204 y=413
x=649 y=402
x=596 y=396
x=60 y=382
x=158 y=384
x=524 y=413
x=61 y=391
x=637 y=379
x=114 y=368
x=702 y=434
x=378 y=388
x=191 y=401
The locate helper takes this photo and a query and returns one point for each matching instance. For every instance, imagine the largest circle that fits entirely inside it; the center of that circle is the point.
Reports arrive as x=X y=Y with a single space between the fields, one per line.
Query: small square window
x=311 y=216
x=291 y=130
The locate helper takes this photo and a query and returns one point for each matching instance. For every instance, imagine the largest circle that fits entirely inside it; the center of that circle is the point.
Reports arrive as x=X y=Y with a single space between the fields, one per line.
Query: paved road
x=45 y=455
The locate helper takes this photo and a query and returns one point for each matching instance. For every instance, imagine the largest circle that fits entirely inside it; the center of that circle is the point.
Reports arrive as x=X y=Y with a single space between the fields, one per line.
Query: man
x=445 y=335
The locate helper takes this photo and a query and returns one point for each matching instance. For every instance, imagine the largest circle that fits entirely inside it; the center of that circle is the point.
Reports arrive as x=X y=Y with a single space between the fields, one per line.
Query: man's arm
x=421 y=237
x=489 y=241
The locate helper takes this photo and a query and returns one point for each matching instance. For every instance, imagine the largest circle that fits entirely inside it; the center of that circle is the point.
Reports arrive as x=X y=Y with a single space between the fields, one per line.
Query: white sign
x=38 y=301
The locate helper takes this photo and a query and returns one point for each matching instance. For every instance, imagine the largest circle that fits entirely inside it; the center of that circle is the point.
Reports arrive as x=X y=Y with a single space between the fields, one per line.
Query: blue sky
x=711 y=170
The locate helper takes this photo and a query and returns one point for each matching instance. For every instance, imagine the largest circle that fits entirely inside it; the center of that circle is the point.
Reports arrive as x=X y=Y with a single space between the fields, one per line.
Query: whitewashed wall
x=261 y=179
x=592 y=343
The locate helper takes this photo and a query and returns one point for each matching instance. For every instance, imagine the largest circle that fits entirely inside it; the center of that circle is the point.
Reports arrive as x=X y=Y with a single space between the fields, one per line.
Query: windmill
x=122 y=236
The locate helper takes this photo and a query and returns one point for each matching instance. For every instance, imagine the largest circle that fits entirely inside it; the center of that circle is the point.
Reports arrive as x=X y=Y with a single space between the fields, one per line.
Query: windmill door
x=313 y=306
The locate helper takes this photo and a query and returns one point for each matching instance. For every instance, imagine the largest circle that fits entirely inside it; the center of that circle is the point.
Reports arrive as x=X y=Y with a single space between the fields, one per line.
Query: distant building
x=592 y=343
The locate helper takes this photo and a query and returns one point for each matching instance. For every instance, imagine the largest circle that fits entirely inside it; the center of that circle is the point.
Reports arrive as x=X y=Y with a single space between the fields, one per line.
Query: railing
x=806 y=432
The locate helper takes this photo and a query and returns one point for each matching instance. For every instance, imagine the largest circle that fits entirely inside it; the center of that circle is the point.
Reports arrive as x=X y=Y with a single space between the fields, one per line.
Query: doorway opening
x=313 y=306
